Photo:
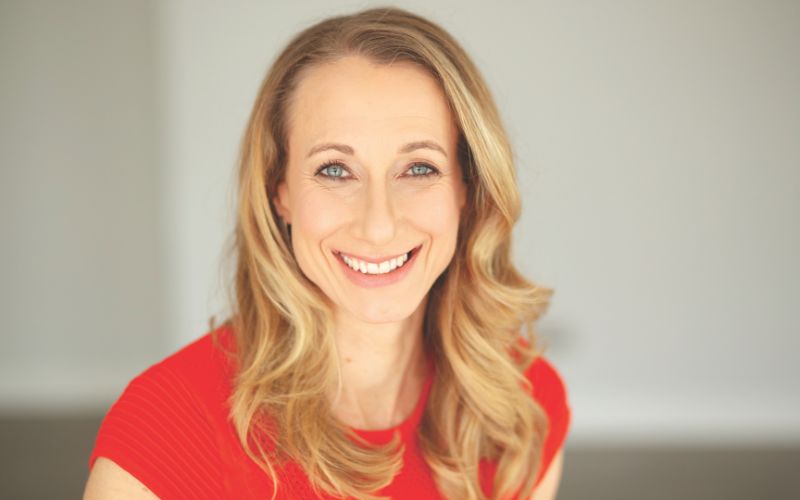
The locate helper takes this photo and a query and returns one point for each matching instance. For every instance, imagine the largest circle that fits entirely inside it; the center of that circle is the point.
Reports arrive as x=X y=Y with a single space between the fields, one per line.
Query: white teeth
x=372 y=268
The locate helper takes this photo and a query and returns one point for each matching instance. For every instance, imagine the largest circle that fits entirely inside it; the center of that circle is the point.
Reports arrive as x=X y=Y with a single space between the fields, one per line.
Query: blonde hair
x=480 y=404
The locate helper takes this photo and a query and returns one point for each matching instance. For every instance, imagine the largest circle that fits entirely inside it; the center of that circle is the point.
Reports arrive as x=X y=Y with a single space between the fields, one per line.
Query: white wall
x=658 y=153
x=658 y=156
x=664 y=209
x=79 y=205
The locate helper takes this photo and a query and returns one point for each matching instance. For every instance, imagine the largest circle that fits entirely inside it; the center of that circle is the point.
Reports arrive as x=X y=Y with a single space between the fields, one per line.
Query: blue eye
x=422 y=173
x=335 y=171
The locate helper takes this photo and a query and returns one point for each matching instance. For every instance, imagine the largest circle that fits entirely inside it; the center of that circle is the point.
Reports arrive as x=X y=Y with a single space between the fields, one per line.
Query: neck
x=383 y=365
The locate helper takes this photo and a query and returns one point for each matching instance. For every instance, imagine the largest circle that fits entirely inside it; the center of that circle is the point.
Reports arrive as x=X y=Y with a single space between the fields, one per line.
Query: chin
x=383 y=313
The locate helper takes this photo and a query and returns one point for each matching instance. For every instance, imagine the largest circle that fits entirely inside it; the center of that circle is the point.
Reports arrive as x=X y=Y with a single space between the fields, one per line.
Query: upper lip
x=375 y=260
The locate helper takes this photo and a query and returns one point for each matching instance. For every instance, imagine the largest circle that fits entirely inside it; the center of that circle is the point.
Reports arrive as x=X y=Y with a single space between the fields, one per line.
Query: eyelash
x=433 y=170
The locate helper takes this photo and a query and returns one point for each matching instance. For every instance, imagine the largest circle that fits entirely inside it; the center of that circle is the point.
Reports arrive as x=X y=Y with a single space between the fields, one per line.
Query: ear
x=282 y=202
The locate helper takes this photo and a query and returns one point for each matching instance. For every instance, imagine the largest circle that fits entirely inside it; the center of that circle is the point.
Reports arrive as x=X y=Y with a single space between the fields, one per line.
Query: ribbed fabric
x=170 y=430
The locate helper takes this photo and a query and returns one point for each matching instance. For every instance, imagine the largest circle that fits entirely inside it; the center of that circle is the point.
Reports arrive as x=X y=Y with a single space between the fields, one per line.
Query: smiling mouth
x=376 y=268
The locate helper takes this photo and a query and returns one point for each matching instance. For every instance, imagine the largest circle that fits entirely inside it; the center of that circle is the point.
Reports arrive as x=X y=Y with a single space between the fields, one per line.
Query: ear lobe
x=282 y=202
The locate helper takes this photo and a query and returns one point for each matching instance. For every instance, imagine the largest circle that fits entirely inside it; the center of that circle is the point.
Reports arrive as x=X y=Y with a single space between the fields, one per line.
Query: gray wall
x=657 y=153
x=79 y=202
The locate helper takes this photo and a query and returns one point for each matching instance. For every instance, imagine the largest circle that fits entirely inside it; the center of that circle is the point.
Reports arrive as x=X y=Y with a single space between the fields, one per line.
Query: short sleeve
x=160 y=432
x=550 y=392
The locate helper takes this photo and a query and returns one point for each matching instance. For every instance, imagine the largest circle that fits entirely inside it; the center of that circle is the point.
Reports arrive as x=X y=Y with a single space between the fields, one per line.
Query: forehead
x=355 y=99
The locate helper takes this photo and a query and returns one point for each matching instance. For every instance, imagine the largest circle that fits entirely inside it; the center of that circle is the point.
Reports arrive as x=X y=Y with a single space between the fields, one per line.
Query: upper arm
x=548 y=486
x=109 y=480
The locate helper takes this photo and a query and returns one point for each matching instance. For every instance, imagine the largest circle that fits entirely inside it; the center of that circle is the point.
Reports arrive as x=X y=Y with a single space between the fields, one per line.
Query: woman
x=376 y=345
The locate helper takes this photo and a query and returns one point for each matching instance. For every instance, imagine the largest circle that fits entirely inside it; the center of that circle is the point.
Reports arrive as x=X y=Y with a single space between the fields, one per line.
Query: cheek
x=435 y=212
x=318 y=214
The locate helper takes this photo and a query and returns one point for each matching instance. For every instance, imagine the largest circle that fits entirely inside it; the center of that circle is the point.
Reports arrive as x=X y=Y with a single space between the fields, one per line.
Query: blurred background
x=658 y=151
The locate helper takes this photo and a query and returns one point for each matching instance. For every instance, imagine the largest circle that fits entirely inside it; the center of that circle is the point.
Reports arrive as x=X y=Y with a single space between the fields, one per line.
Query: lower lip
x=376 y=280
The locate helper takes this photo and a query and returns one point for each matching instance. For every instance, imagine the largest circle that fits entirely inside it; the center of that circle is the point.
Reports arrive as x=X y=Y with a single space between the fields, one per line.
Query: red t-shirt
x=170 y=430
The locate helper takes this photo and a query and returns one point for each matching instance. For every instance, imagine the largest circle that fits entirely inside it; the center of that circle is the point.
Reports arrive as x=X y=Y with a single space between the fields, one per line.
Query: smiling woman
x=377 y=347
x=383 y=207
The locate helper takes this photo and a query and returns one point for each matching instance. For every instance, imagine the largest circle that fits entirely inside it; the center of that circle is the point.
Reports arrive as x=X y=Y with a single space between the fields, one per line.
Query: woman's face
x=372 y=175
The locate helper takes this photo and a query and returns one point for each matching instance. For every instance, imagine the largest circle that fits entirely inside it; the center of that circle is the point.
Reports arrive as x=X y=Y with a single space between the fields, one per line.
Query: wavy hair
x=480 y=405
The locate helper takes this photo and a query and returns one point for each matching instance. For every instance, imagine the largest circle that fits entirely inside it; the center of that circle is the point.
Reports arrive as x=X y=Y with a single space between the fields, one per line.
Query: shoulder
x=550 y=391
x=549 y=387
x=164 y=427
x=194 y=378
x=201 y=361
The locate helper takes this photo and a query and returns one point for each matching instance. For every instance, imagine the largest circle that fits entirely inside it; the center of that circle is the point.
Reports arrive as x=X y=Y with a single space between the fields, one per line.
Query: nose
x=377 y=222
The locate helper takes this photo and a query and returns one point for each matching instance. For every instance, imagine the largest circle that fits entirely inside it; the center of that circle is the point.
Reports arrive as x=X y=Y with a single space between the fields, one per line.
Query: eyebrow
x=348 y=150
